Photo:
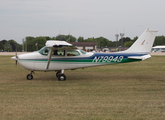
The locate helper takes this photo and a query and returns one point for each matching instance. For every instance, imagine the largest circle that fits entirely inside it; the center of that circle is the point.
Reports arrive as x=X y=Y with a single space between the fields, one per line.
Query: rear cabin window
x=72 y=53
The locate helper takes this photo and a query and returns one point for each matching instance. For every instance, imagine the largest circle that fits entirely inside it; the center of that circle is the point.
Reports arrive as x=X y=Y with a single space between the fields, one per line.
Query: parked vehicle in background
x=106 y=50
x=158 y=49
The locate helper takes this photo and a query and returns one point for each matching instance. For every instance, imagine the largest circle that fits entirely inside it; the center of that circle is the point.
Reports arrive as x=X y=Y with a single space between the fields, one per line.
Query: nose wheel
x=30 y=76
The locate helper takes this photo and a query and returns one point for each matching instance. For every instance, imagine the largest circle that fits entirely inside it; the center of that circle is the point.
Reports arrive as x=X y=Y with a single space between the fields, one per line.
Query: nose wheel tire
x=61 y=77
x=29 y=77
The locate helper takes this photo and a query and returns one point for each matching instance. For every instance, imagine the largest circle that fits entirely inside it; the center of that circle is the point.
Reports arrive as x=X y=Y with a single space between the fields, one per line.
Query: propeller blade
x=16 y=56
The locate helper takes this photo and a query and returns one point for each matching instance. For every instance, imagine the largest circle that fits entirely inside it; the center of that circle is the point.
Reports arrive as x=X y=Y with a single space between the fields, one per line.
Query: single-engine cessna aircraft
x=60 y=55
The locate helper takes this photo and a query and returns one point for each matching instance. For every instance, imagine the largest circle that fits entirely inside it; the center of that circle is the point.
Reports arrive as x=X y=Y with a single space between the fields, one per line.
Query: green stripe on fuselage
x=85 y=61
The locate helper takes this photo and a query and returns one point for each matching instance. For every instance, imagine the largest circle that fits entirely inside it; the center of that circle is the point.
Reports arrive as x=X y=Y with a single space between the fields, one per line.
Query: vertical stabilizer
x=144 y=43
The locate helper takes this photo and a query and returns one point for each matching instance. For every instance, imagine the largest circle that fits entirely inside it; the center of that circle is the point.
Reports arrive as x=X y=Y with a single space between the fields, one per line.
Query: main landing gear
x=30 y=76
x=60 y=75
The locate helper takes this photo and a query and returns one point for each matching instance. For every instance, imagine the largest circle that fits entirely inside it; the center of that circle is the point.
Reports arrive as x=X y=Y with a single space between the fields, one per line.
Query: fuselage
x=61 y=55
x=70 y=59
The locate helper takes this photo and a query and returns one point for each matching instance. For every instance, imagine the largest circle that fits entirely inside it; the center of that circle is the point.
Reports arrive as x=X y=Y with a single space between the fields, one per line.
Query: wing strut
x=49 y=58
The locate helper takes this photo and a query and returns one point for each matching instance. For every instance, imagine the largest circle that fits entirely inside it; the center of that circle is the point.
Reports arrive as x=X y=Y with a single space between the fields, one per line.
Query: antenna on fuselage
x=68 y=40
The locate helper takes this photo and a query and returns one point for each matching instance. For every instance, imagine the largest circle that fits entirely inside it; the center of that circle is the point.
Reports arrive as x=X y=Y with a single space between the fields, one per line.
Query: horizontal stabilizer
x=140 y=57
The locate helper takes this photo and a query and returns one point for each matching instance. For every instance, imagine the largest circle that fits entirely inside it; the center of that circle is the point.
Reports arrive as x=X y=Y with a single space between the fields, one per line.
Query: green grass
x=131 y=91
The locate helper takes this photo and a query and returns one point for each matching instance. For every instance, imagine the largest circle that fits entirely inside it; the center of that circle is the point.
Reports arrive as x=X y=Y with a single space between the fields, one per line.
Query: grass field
x=132 y=91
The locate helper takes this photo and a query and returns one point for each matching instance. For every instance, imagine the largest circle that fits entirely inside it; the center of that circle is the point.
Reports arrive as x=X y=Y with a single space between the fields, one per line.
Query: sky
x=86 y=18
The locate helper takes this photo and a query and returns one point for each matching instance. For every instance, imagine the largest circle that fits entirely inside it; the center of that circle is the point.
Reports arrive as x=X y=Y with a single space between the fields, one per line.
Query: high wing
x=54 y=44
x=57 y=45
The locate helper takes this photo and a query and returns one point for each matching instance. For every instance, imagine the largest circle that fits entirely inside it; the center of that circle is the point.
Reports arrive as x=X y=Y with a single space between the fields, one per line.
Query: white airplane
x=60 y=55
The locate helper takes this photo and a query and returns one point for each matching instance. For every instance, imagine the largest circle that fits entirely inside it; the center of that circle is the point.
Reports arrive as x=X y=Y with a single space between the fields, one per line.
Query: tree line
x=10 y=46
x=36 y=43
x=33 y=44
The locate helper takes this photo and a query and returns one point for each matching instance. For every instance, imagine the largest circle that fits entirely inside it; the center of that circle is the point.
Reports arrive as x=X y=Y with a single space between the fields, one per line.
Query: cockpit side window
x=59 y=52
x=44 y=50
x=72 y=53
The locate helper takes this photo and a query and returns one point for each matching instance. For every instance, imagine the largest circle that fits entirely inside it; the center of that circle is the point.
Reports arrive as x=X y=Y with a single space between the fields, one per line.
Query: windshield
x=44 y=50
x=82 y=51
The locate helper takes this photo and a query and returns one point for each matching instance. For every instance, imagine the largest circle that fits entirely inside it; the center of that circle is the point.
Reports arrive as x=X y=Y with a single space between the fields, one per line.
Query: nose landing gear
x=30 y=76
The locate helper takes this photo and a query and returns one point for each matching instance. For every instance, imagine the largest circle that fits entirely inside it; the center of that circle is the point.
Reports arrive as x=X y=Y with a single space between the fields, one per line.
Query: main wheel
x=57 y=74
x=61 y=77
x=29 y=77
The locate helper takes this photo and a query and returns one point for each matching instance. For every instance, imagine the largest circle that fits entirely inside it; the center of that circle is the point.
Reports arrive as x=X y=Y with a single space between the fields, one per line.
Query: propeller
x=16 y=57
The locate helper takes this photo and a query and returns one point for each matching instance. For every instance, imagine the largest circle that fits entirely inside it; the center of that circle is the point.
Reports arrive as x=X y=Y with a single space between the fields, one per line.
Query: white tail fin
x=144 y=43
